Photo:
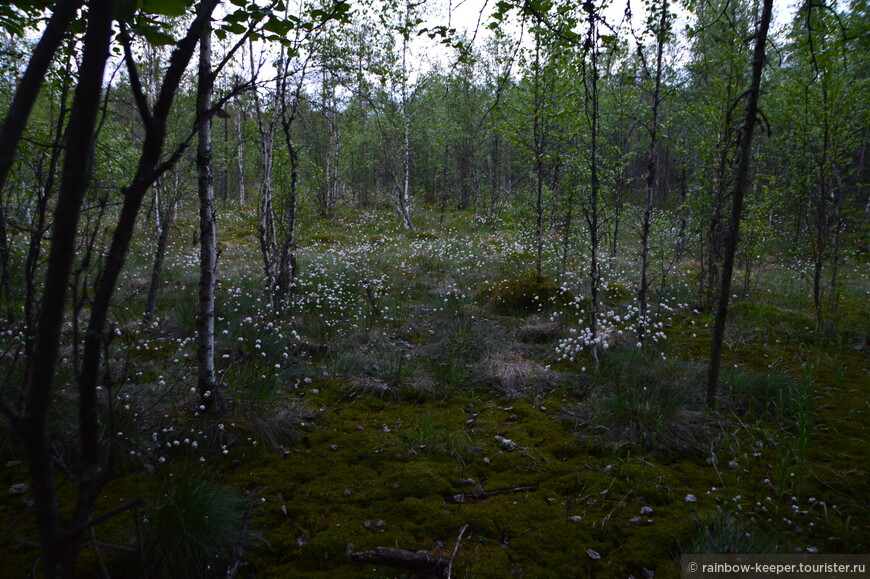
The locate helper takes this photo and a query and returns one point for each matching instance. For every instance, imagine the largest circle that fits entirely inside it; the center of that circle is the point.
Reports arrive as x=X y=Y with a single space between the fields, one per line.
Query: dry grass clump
x=370 y=386
x=273 y=424
x=514 y=376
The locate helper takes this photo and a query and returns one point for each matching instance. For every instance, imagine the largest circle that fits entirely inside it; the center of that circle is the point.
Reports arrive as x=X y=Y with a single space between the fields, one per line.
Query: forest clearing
x=338 y=290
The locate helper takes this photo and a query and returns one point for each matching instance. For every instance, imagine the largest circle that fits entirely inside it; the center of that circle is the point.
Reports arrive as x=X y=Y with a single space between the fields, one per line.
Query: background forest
x=365 y=288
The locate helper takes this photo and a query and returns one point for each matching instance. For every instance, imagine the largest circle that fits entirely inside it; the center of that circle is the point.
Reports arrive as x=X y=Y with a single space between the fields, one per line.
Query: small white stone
x=506 y=443
x=18 y=489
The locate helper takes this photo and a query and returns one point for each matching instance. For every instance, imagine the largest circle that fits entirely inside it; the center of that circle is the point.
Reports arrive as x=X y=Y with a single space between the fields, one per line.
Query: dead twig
x=239 y=548
x=474 y=496
x=106 y=516
x=95 y=545
x=419 y=562
x=456 y=550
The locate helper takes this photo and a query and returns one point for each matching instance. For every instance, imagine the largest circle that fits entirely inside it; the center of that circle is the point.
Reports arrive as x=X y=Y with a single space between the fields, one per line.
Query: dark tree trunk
x=742 y=181
x=287 y=261
x=59 y=549
x=40 y=227
x=591 y=208
x=165 y=221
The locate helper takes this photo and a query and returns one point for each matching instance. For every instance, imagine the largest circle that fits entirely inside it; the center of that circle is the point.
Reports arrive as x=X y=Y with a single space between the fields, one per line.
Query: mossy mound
x=329 y=239
x=525 y=294
x=616 y=292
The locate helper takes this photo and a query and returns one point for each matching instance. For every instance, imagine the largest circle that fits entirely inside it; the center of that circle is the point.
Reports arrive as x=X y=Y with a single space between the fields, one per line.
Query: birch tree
x=210 y=396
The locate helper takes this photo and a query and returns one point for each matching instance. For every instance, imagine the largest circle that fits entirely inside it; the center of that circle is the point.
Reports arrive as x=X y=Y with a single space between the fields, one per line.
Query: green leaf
x=239 y=15
x=235 y=28
x=278 y=26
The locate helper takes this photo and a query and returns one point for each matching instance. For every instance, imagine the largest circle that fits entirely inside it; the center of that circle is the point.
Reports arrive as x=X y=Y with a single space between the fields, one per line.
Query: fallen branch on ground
x=476 y=496
x=416 y=561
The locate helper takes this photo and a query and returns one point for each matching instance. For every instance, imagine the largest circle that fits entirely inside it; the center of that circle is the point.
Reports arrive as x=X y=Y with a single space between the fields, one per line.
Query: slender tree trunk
x=240 y=152
x=206 y=382
x=40 y=228
x=617 y=219
x=839 y=224
x=289 y=107
x=539 y=164
x=591 y=209
x=287 y=262
x=403 y=194
x=684 y=219
x=823 y=219
x=266 y=227
x=566 y=234
x=742 y=181
x=716 y=235
x=157 y=267
x=652 y=179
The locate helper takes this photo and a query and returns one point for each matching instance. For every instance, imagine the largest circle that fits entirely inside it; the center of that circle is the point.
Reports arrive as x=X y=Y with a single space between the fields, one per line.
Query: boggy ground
x=419 y=383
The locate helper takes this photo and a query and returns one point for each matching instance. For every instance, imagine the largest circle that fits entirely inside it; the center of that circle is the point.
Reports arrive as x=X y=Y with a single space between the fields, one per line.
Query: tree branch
x=135 y=80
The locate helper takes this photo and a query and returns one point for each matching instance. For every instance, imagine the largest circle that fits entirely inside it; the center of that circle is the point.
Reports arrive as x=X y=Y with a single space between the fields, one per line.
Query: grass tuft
x=642 y=400
x=191 y=529
x=516 y=377
x=722 y=533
